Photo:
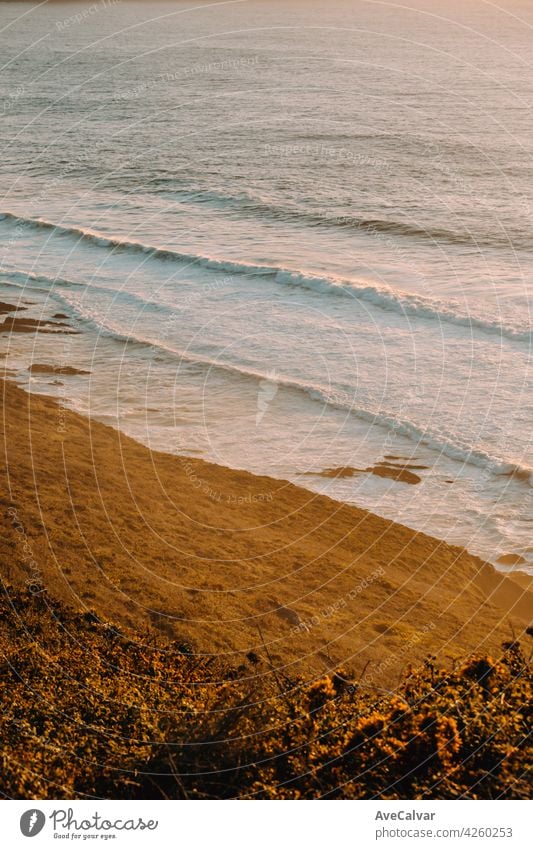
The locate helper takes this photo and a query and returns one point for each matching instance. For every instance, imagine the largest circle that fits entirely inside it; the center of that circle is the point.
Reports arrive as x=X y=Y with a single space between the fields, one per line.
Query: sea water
x=293 y=238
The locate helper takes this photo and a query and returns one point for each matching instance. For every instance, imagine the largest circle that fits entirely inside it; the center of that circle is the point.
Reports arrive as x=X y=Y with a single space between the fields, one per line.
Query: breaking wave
x=394 y=300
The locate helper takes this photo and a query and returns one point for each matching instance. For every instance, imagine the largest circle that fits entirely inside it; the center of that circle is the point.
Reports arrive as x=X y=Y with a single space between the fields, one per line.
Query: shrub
x=90 y=711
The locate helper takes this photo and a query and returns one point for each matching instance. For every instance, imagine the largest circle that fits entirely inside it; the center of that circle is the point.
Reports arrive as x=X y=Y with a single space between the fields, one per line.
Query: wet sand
x=384 y=469
x=13 y=323
x=44 y=368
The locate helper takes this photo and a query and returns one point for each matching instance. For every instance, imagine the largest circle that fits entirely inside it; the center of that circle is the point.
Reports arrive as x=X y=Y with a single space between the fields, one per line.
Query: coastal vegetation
x=90 y=710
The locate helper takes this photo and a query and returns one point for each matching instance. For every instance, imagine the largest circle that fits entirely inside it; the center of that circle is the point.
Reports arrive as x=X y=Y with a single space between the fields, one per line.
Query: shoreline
x=237 y=563
x=433 y=511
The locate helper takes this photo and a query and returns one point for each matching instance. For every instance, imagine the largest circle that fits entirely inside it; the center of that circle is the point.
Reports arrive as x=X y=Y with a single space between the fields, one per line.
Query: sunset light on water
x=265 y=283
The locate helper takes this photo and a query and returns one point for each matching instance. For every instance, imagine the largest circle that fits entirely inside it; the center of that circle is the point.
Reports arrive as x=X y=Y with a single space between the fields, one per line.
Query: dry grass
x=88 y=710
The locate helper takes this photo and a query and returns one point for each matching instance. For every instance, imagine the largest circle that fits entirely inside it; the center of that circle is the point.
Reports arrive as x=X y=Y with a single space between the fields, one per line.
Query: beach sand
x=233 y=562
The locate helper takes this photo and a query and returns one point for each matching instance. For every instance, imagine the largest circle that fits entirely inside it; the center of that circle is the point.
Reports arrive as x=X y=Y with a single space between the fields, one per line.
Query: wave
x=403 y=303
x=37 y=282
x=249 y=204
x=336 y=399
x=48 y=285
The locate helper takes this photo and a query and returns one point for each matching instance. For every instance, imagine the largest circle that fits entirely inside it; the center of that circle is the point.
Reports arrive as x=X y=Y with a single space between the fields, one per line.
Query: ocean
x=292 y=237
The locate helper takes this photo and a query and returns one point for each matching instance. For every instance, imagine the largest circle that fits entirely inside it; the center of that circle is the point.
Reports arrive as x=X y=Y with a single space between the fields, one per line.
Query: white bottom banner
x=268 y=825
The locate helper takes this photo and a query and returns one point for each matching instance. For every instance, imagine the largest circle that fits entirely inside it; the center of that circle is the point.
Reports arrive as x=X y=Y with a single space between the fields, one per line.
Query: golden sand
x=234 y=562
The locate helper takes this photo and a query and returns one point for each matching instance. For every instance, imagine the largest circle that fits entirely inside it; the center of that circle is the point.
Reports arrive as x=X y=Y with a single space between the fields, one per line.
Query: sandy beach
x=234 y=563
x=267 y=473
